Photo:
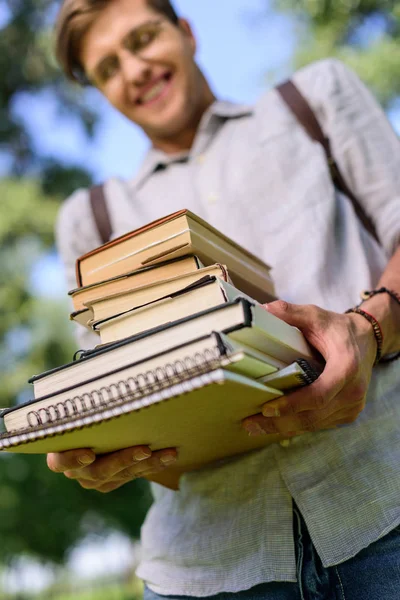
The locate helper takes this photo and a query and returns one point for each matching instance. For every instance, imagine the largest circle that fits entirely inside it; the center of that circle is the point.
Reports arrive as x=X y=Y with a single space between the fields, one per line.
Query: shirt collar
x=156 y=159
x=230 y=110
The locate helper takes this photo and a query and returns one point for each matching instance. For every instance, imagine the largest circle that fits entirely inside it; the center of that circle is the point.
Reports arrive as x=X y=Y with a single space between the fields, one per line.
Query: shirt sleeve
x=363 y=142
x=76 y=234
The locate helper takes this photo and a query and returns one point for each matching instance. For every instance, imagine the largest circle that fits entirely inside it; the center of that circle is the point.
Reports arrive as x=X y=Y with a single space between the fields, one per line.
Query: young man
x=255 y=174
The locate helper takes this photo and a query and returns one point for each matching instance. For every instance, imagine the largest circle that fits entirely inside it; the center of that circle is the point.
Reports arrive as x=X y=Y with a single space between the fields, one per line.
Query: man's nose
x=134 y=69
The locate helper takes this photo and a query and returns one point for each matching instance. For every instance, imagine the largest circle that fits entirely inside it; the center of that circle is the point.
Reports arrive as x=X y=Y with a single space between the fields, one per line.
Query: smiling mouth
x=156 y=91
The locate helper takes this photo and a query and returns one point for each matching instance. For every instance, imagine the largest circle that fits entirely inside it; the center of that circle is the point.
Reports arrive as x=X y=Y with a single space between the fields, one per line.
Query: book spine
x=224 y=272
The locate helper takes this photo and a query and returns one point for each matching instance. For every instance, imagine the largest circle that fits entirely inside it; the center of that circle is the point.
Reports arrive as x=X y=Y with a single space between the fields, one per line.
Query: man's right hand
x=110 y=471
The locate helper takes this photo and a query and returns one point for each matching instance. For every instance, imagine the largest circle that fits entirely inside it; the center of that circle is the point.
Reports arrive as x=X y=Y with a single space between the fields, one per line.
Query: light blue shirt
x=254 y=174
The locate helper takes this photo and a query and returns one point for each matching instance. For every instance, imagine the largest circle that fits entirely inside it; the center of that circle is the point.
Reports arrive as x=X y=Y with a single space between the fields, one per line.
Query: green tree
x=365 y=34
x=28 y=70
x=33 y=332
x=40 y=513
x=44 y=515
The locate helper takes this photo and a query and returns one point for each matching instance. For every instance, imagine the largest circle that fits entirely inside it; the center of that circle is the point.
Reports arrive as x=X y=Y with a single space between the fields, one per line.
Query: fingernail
x=254 y=429
x=142 y=455
x=86 y=460
x=167 y=459
x=271 y=411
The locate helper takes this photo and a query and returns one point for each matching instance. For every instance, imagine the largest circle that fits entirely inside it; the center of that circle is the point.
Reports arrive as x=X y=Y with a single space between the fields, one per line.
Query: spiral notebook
x=160 y=370
x=190 y=415
x=183 y=402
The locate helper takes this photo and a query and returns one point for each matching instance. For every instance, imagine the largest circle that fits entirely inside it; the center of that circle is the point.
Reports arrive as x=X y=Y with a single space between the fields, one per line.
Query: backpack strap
x=100 y=212
x=301 y=109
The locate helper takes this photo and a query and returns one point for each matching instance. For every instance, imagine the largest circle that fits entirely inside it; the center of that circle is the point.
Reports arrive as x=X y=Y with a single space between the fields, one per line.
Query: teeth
x=155 y=91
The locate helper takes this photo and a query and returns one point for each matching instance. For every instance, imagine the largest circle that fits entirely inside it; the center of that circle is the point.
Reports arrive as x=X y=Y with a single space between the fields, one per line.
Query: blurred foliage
x=34 y=332
x=27 y=69
x=365 y=34
x=44 y=515
x=108 y=593
x=41 y=514
x=130 y=588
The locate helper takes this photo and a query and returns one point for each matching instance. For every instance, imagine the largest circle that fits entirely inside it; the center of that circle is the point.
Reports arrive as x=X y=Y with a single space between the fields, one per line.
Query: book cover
x=188 y=415
x=169 y=238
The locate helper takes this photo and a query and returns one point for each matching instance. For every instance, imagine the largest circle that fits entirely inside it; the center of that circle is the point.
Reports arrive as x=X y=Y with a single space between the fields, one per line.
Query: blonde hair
x=75 y=19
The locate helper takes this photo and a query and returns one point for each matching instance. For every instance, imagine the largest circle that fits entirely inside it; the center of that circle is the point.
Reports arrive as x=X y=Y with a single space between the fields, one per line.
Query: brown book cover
x=176 y=235
x=114 y=304
x=133 y=280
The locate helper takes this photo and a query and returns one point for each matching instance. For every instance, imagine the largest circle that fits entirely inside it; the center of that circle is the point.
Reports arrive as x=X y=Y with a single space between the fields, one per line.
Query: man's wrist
x=387 y=312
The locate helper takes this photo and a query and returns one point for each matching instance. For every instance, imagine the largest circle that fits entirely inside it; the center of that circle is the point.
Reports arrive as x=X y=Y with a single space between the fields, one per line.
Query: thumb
x=305 y=316
x=310 y=319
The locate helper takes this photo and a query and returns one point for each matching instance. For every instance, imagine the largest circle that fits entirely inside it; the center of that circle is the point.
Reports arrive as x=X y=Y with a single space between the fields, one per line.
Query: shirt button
x=201 y=159
x=212 y=198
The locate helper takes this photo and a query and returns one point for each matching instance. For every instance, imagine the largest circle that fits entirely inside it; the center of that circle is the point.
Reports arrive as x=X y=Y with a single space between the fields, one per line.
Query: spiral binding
x=16 y=438
x=310 y=372
x=133 y=388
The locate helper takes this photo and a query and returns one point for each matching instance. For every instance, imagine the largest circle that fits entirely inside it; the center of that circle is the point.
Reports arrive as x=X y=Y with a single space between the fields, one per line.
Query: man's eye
x=140 y=40
x=108 y=70
x=145 y=38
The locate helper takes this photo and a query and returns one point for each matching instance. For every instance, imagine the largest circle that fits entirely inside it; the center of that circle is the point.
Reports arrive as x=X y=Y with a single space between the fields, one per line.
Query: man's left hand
x=347 y=343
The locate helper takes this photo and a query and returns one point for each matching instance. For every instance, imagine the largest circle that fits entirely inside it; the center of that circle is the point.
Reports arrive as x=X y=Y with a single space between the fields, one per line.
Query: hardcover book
x=110 y=305
x=134 y=279
x=179 y=234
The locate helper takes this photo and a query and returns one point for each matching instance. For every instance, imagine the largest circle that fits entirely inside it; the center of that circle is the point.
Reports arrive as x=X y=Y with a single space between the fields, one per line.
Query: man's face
x=144 y=65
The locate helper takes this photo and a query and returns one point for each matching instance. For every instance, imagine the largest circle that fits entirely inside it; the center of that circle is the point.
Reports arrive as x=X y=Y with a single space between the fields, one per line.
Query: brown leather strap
x=306 y=117
x=100 y=212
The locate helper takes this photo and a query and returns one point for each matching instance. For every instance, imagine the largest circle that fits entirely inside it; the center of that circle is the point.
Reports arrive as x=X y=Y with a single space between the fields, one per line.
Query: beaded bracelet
x=375 y=327
x=396 y=297
x=383 y=290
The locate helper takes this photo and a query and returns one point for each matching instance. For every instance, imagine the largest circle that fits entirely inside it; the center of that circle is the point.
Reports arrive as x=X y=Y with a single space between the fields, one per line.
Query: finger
x=303 y=421
x=72 y=459
x=343 y=417
x=316 y=396
x=111 y=466
x=303 y=316
x=149 y=467
x=106 y=486
x=103 y=487
x=313 y=321
x=257 y=425
x=335 y=413
x=158 y=462
x=111 y=486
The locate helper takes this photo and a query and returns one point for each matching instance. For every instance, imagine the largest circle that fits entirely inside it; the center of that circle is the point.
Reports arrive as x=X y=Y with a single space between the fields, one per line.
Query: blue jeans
x=373 y=574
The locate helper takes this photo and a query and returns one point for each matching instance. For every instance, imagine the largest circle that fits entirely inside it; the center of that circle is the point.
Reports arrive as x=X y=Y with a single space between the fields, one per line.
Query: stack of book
x=186 y=350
